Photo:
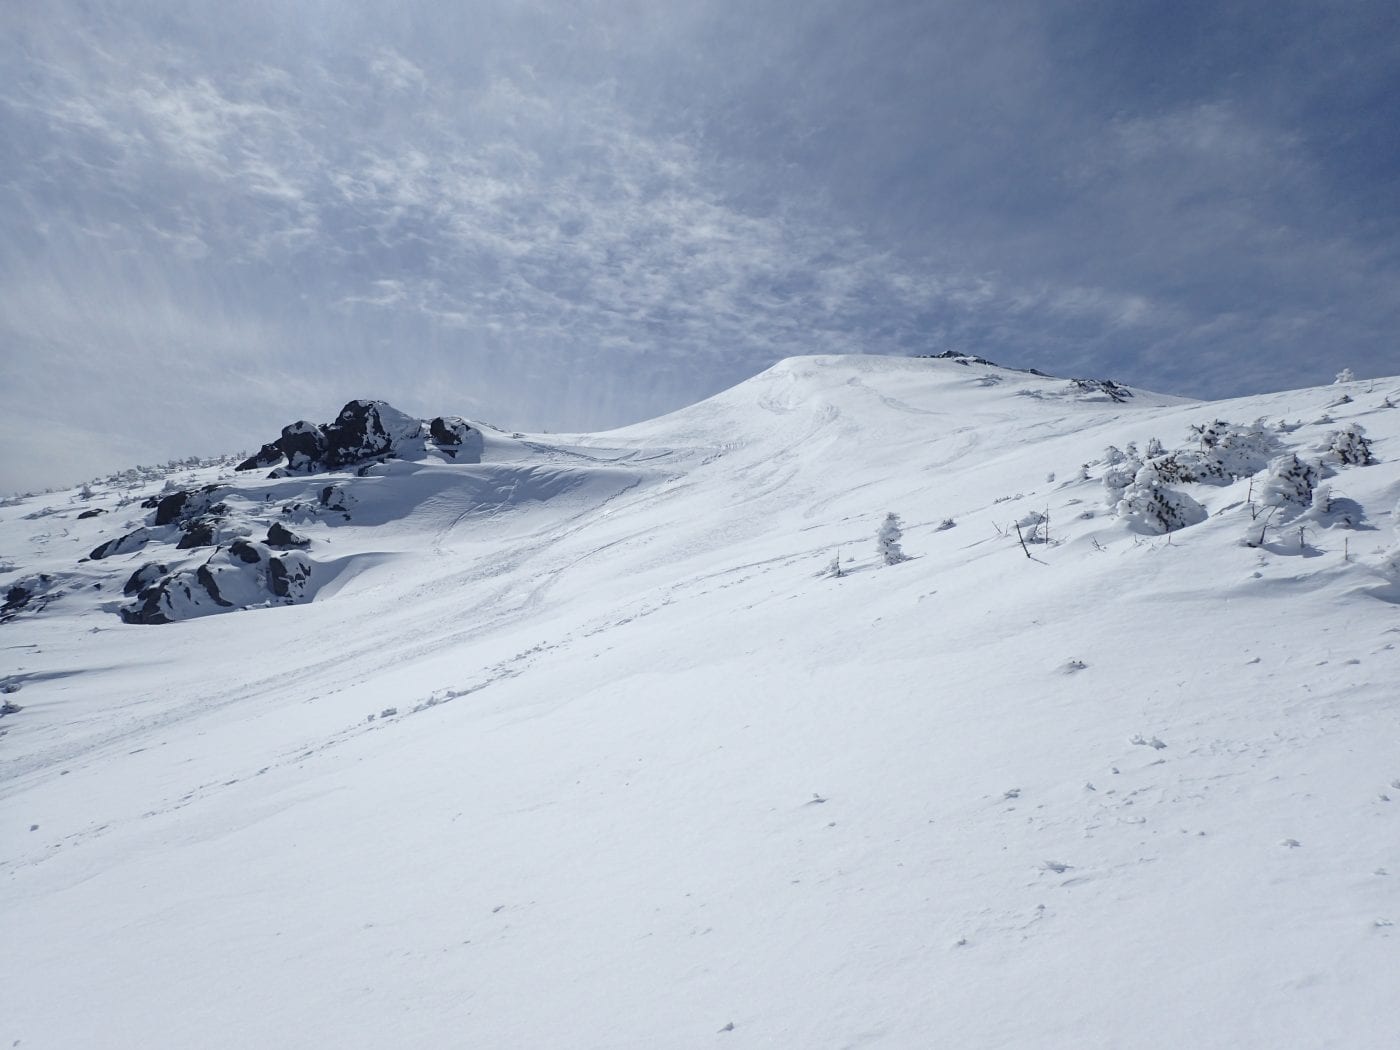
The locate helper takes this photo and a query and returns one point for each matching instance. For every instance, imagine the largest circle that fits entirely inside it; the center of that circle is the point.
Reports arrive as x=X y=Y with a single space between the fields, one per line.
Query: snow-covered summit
x=638 y=739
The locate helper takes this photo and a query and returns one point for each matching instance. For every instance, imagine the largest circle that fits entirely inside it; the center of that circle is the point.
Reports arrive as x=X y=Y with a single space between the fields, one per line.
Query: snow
x=582 y=746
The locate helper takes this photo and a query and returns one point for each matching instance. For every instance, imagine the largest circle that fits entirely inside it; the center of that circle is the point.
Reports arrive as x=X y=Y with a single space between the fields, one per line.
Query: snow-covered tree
x=1149 y=505
x=1346 y=375
x=1348 y=446
x=887 y=540
x=1290 y=481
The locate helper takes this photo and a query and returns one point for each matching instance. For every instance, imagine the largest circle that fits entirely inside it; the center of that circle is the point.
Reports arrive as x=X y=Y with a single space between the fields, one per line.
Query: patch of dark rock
x=456 y=438
x=168 y=510
x=143 y=577
x=333 y=497
x=16 y=598
x=305 y=446
x=267 y=456
x=973 y=359
x=199 y=532
x=244 y=574
x=184 y=504
x=1115 y=391
x=363 y=430
x=146 y=609
x=132 y=541
x=959 y=357
x=245 y=552
x=9 y=707
x=30 y=594
x=281 y=537
x=286 y=578
x=211 y=585
x=94 y=512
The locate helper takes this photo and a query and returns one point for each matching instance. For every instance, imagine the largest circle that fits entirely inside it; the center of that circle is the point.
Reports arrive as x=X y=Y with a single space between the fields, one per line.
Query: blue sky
x=217 y=218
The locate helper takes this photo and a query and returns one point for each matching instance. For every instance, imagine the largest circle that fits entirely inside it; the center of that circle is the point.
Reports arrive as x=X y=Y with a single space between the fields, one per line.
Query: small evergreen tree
x=887 y=540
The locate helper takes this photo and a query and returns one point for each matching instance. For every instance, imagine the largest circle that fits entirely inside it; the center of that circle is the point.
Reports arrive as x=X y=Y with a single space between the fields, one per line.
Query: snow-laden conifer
x=887 y=540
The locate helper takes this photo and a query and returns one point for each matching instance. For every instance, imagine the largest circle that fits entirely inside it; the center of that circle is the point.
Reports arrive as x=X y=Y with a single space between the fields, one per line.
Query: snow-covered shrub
x=887 y=540
x=1150 y=505
x=1118 y=475
x=1348 y=447
x=1225 y=452
x=1290 y=481
x=1033 y=527
x=1346 y=375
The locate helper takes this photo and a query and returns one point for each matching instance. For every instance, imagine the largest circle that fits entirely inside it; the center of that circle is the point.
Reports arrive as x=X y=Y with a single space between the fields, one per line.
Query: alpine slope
x=642 y=739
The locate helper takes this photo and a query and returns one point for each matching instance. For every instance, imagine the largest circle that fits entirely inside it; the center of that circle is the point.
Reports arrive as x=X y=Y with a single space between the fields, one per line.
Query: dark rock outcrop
x=1115 y=391
x=30 y=594
x=454 y=437
x=144 y=577
x=363 y=430
x=199 y=532
x=282 y=538
x=132 y=541
x=267 y=456
x=169 y=509
x=242 y=575
x=94 y=512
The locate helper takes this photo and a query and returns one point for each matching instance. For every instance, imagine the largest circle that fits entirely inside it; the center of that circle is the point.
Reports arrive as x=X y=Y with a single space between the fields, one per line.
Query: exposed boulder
x=242 y=575
x=267 y=456
x=306 y=446
x=336 y=498
x=281 y=537
x=132 y=541
x=30 y=594
x=183 y=505
x=199 y=532
x=453 y=436
x=94 y=512
x=144 y=577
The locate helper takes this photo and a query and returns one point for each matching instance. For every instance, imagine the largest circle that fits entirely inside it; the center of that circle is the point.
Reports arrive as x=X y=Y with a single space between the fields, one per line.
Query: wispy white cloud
x=684 y=195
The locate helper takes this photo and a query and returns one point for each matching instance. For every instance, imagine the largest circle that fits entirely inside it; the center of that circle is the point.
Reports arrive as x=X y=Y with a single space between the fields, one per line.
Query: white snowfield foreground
x=584 y=745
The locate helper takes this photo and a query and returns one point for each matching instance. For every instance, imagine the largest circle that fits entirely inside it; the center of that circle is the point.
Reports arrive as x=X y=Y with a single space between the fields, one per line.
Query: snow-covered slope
x=584 y=745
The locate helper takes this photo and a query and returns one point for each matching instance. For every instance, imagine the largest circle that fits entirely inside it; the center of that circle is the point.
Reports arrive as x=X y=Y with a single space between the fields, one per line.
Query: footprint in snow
x=1072 y=666
x=1058 y=867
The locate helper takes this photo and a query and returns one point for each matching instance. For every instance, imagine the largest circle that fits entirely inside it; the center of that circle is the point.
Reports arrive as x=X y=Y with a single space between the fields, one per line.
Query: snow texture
x=575 y=740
